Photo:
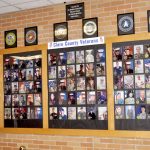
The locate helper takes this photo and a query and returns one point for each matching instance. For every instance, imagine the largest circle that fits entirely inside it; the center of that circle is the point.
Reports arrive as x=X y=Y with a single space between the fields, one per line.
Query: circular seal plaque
x=30 y=36
x=60 y=32
x=10 y=38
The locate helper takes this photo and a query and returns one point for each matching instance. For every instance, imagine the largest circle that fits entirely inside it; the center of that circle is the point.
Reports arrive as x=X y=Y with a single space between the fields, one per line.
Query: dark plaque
x=10 y=39
x=75 y=11
x=125 y=24
x=31 y=37
x=148 y=19
x=61 y=31
x=90 y=27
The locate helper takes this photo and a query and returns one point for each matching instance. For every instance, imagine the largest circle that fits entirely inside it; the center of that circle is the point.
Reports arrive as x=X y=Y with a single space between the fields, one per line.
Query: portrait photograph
x=100 y=69
x=29 y=74
x=119 y=97
x=22 y=64
x=89 y=56
x=53 y=114
x=140 y=81
x=29 y=64
x=117 y=54
x=14 y=63
x=119 y=112
x=128 y=67
x=7 y=63
x=148 y=96
x=62 y=85
x=90 y=83
x=30 y=113
x=7 y=100
x=117 y=68
x=71 y=85
x=138 y=51
x=53 y=99
x=118 y=82
x=22 y=75
x=102 y=113
x=37 y=74
x=80 y=83
x=7 y=113
x=127 y=52
x=91 y=113
x=147 y=81
x=81 y=98
x=52 y=85
x=128 y=82
x=129 y=97
x=130 y=111
x=52 y=72
x=71 y=98
x=80 y=70
x=91 y=97
x=147 y=51
x=147 y=65
x=30 y=100
x=37 y=100
x=140 y=96
x=138 y=64
x=100 y=56
x=62 y=113
x=70 y=71
x=101 y=83
x=7 y=76
x=72 y=113
x=52 y=59
x=62 y=58
x=90 y=70
x=29 y=86
x=14 y=87
x=22 y=99
x=102 y=97
x=62 y=98
x=38 y=113
x=15 y=113
x=141 y=112
x=71 y=57
x=80 y=56
x=15 y=100
x=81 y=113
x=7 y=88
x=61 y=71
x=38 y=62
x=14 y=75
x=23 y=113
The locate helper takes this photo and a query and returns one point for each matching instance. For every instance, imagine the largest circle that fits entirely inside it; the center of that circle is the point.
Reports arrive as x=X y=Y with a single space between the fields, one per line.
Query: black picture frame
x=148 y=20
x=60 y=31
x=87 y=25
x=12 y=40
x=127 y=20
x=75 y=11
x=31 y=36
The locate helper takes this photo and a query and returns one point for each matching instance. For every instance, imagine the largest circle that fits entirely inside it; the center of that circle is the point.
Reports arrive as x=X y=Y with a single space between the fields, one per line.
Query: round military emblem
x=30 y=36
x=60 y=31
x=10 y=38
x=90 y=28
x=125 y=24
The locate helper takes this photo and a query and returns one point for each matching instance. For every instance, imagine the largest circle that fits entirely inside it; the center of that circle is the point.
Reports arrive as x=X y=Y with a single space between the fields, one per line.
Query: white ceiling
x=7 y=6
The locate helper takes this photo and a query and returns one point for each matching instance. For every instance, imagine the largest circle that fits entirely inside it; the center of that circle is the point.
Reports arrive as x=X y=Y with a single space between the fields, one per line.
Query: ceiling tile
x=8 y=9
x=17 y=1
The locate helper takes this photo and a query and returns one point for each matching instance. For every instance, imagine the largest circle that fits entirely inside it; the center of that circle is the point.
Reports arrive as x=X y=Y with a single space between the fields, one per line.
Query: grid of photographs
x=131 y=67
x=22 y=86
x=77 y=84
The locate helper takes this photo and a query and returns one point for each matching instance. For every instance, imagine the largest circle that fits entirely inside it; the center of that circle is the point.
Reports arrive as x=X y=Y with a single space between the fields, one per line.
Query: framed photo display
x=90 y=27
x=60 y=31
x=77 y=88
x=23 y=90
x=125 y=24
x=10 y=39
x=131 y=67
x=148 y=20
x=31 y=36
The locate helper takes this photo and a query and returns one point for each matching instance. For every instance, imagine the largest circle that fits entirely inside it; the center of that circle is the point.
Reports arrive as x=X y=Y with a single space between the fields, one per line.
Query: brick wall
x=106 y=11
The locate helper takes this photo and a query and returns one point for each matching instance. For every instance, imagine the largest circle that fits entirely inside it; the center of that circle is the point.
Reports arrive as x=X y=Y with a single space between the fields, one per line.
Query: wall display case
x=77 y=87
x=23 y=89
x=131 y=69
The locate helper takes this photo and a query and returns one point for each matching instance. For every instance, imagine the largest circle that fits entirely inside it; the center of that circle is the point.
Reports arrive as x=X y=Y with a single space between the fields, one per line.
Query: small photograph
x=23 y=113
x=7 y=99
x=101 y=83
x=14 y=87
x=7 y=113
x=52 y=85
x=7 y=64
x=129 y=82
x=80 y=83
x=138 y=51
x=129 y=97
x=70 y=71
x=128 y=67
x=90 y=83
x=102 y=113
x=29 y=86
x=7 y=76
x=38 y=113
x=117 y=54
x=37 y=87
x=117 y=68
x=148 y=96
x=80 y=56
x=91 y=97
x=81 y=98
x=22 y=64
x=130 y=111
x=80 y=70
x=118 y=82
x=139 y=66
x=128 y=52
x=29 y=74
x=52 y=99
x=15 y=100
x=139 y=81
x=62 y=98
x=15 y=113
x=53 y=114
x=30 y=101
x=63 y=113
x=100 y=69
x=148 y=112
x=71 y=98
x=61 y=71
x=100 y=56
x=147 y=81
x=89 y=55
x=52 y=72
x=22 y=75
x=30 y=113
x=140 y=96
x=37 y=74
x=22 y=99
x=29 y=63
x=101 y=97
x=62 y=58
x=37 y=100
x=119 y=112
x=14 y=63
x=71 y=57
x=38 y=63
x=81 y=113
x=52 y=58
x=119 y=97
x=71 y=113
x=147 y=65
x=147 y=51
x=22 y=88
x=62 y=85
x=141 y=112
x=90 y=70
x=7 y=88
x=91 y=113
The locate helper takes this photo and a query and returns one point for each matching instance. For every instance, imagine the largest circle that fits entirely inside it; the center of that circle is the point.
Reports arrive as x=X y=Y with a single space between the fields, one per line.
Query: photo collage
x=77 y=84
x=131 y=67
x=22 y=86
